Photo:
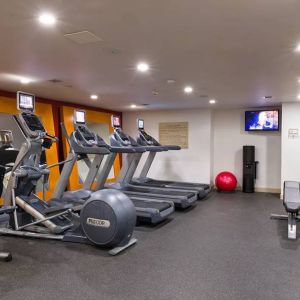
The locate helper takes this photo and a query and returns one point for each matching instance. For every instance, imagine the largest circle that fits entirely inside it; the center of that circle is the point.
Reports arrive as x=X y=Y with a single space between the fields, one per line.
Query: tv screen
x=80 y=116
x=262 y=120
x=25 y=101
x=141 y=124
x=116 y=122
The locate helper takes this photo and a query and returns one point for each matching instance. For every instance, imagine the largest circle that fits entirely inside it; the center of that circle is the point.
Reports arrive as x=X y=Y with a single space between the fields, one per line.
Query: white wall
x=216 y=139
x=192 y=164
x=290 y=164
x=229 y=138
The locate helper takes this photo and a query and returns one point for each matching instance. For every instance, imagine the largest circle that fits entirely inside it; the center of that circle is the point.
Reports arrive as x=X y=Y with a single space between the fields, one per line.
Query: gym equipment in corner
x=144 y=139
x=7 y=156
x=226 y=182
x=148 y=194
x=249 y=169
x=148 y=210
x=107 y=219
x=291 y=203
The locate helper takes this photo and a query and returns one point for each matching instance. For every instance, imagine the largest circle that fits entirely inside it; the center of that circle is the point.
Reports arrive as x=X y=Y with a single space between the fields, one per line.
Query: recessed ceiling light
x=94 y=97
x=47 y=19
x=299 y=80
x=212 y=101
x=142 y=67
x=298 y=96
x=297 y=48
x=188 y=89
x=25 y=80
x=133 y=106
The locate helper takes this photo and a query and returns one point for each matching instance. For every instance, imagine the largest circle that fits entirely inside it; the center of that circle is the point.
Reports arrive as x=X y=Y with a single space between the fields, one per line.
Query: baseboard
x=261 y=190
x=268 y=190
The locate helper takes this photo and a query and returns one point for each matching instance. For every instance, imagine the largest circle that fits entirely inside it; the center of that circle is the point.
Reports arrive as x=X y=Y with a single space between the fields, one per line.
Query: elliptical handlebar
x=53 y=137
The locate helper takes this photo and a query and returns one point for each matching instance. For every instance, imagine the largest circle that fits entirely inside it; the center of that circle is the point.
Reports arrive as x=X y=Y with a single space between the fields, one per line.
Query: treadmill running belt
x=179 y=184
x=162 y=182
x=153 y=192
x=160 y=206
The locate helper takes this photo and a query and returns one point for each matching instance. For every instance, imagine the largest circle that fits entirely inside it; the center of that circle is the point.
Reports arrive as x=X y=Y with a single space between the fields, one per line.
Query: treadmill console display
x=140 y=124
x=116 y=122
x=82 y=132
x=122 y=136
x=33 y=122
x=141 y=127
x=79 y=116
x=25 y=101
x=147 y=137
x=87 y=135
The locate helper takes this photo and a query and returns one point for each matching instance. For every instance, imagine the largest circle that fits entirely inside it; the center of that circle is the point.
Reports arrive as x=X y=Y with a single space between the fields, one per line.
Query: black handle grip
x=255 y=169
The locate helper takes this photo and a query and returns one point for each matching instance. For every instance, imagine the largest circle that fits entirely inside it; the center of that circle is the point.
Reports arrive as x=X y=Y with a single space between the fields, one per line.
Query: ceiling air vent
x=83 y=37
x=54 y=80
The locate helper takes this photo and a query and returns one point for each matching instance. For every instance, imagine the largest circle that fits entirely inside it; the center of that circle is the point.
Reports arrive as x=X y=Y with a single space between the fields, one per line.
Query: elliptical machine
x=4 y=256
x=7 y=155
x=107 y=219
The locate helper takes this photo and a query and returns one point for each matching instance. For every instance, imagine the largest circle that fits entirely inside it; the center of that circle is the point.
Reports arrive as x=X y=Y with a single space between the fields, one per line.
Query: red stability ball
x=226 y=181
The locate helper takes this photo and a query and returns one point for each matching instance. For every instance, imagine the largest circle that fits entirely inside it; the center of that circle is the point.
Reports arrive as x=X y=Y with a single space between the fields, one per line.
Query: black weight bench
x=291 y=203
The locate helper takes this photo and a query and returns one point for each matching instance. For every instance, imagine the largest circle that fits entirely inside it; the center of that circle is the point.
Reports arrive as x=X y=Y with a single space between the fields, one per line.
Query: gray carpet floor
x=225 y=248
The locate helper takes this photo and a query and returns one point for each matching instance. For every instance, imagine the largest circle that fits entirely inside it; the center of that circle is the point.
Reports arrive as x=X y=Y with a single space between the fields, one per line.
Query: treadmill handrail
x=155 y=148
x=172 y=147
x=115 y=149
x=65 y=134
x=93 y=150
x=143 y=141
x=115 y=143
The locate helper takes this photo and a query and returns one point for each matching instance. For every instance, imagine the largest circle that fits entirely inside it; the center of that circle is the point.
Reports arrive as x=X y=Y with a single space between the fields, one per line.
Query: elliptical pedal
x=119 y=249
x=5 y=256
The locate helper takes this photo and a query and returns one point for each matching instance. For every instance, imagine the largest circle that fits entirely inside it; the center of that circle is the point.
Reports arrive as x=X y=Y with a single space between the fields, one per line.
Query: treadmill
x=145 y=139
x=119 y=139
x=82 y=143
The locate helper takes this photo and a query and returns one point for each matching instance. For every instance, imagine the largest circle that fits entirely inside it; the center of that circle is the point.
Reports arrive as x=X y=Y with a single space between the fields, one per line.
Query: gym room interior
x=149 y=149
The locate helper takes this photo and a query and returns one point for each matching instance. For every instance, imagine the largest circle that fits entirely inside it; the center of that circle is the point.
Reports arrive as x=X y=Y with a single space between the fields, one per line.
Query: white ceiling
x=232 y=50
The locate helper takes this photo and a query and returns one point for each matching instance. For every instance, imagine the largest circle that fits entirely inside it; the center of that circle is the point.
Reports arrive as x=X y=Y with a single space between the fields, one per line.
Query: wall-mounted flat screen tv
x=262 y=120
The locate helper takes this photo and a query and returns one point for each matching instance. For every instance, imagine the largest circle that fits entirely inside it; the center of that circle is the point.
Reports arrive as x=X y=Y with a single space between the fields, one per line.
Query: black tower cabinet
x=249 y=169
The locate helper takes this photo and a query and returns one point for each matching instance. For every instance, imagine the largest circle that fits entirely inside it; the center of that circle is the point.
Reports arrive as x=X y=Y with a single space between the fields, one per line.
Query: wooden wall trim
x=62 y=103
